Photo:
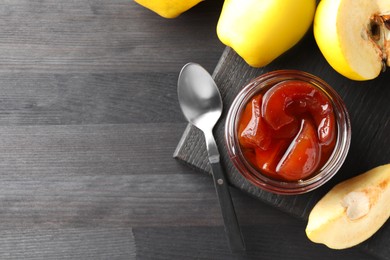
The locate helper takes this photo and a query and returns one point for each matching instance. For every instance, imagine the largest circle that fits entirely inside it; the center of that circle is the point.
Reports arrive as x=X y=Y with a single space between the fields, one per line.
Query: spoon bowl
x=199 y=97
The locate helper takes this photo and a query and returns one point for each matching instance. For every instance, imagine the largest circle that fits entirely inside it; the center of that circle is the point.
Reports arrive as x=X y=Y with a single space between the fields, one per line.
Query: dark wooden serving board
x=369 y=109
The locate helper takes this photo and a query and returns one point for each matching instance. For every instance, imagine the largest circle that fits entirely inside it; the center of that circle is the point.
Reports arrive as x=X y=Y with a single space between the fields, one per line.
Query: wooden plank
x=367 y=103
x=100 y=36
x=89 y=175
x=68 y=243
x=184 y=241
x=88 y=98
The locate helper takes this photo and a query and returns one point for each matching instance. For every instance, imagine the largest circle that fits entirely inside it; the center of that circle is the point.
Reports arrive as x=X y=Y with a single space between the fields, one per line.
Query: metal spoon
x=201 y=104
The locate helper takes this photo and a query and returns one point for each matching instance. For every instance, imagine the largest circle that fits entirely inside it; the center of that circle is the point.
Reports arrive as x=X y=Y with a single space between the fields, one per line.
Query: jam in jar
x=288 y=132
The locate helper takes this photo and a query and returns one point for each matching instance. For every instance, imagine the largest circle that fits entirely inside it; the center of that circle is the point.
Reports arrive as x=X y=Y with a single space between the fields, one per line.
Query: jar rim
x=322 y=175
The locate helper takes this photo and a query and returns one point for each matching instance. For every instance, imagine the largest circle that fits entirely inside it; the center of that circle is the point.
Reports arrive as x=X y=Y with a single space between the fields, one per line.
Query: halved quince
x=354 y=36
x=352 y=211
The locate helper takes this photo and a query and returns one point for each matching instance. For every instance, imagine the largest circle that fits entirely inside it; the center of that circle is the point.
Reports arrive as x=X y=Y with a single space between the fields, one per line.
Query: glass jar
x=263 y=181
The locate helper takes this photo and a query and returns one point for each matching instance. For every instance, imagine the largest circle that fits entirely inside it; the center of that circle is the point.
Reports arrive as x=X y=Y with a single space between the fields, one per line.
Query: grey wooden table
x=89 y=121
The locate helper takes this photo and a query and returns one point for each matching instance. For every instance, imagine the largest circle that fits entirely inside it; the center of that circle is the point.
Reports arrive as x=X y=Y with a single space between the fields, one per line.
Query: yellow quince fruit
x=168 y=8
x=352 y=211
x=261 y=30
x=354 y=36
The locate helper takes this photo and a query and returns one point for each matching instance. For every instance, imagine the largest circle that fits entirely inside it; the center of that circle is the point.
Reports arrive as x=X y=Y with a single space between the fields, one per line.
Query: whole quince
x=261 y=30
x=168 y=8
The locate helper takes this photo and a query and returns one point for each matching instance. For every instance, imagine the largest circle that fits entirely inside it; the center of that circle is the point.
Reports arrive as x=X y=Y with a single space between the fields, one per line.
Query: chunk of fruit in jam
x=253 y=132
x=288 y=131
x=302 y=156
x=267 y=160
x=289 y=101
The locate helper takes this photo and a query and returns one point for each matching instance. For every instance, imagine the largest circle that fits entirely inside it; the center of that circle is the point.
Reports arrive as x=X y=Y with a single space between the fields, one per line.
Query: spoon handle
x=232 y=228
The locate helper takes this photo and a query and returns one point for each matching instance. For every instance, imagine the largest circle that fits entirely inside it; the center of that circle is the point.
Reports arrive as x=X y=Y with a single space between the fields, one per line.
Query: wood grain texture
x=259 y=246
x=89 y=120
x=68 y=243
x=370 y=115
x=90 y=98
x=97 y=36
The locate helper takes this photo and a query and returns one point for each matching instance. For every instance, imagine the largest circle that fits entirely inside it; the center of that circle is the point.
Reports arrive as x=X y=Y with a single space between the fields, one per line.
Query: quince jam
x=288 y=131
